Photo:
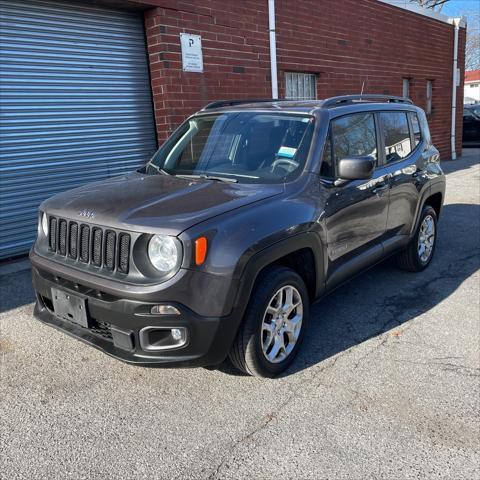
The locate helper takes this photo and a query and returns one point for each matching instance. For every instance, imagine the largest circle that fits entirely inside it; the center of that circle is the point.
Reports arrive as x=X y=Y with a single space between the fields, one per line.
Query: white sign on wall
x=192 y=58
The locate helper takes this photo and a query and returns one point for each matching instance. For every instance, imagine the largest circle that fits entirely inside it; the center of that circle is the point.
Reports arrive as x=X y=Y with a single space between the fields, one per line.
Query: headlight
x=45 y=224
x=164 y=253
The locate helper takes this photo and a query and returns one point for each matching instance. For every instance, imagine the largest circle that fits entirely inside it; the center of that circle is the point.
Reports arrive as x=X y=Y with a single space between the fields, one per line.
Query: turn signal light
x=200 y=250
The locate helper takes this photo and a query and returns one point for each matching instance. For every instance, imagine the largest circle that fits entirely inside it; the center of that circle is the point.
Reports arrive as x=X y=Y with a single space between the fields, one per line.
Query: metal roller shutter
x=75 y=105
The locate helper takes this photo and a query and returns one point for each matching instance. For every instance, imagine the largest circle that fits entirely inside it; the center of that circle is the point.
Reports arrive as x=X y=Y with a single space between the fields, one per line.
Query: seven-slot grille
x=93 y=245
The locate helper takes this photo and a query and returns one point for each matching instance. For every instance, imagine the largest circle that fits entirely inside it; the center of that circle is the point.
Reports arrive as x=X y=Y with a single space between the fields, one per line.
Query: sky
x=459 y=7
x=453 y=7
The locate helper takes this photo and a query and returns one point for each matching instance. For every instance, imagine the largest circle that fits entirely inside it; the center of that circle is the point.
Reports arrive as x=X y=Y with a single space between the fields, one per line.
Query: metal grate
x=84 y=242
x=62 y=237
x=300 y=86
x=124 y=252
x=52 y=234
x=110 y=250
x=73 y=240
x=100 y=328
x=97 y=247
x=90 y=244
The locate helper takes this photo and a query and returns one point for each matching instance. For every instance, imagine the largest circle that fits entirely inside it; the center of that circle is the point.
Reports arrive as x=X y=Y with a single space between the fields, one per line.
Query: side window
x=354 y=135
x=327 y=169
x=417 y=134
x=396 y=135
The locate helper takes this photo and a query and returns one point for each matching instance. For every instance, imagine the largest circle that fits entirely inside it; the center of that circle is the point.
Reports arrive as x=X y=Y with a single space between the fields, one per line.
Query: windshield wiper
x=210 y=177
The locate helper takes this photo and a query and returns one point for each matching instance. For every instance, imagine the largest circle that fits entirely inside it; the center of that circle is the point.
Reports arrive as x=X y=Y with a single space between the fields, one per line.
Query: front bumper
x=114 y=325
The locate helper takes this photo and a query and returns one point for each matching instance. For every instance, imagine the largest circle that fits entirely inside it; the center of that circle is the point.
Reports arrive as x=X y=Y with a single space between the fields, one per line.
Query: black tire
x=246 y=353
x=409 y=259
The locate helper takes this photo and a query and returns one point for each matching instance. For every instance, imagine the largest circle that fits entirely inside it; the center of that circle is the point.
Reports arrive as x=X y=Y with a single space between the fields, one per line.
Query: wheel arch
x=432 y=196
x=303 y=253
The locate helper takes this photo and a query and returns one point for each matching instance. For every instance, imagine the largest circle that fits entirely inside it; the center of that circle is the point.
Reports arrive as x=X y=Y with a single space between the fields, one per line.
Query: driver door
x=356 y=211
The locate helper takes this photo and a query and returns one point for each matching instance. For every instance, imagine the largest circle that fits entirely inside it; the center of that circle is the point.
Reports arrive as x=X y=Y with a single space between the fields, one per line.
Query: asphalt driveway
x=387 y=386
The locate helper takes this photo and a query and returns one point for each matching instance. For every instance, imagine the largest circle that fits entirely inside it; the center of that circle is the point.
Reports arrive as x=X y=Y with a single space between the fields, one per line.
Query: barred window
x=300 y=86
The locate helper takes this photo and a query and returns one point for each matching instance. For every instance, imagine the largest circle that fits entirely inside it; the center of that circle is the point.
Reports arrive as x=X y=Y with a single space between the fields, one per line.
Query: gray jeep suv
x=249 y=212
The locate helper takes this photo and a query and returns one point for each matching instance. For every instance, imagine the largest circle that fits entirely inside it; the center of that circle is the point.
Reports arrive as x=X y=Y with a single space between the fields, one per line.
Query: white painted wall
x=472 y=90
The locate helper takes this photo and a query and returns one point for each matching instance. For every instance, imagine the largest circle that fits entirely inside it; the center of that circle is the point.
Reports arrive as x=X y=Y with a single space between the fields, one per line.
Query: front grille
x=124 y=252
x=90 y=245
x=52 y=234
x=110 y=250
x=97 y=246
x=73 y=240
x=84 y=243
x=62 y=237
x=100 y=328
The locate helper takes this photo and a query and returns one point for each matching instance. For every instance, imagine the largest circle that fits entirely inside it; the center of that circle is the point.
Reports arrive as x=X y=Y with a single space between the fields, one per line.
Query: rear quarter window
x=416 y=130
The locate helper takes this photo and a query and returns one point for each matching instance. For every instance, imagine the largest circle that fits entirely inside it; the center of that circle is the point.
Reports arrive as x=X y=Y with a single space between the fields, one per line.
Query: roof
x=472 y=76
x=304 y=106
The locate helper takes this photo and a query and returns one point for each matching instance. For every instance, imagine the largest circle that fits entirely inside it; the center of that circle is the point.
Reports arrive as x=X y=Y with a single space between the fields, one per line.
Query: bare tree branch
x=435 y=5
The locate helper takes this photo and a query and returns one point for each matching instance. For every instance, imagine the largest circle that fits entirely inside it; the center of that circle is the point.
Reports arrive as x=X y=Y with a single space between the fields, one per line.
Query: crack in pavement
x=451 y=367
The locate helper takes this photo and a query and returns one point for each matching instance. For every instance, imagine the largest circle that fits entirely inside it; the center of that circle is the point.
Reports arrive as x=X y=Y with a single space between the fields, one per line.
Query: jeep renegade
x=249 y=212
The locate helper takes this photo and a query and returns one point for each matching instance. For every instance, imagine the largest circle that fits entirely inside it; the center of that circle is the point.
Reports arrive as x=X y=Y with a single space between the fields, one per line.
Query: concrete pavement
x=387 y=385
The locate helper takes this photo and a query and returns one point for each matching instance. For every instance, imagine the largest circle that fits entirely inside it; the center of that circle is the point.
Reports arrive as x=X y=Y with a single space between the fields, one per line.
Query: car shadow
x=384 y=298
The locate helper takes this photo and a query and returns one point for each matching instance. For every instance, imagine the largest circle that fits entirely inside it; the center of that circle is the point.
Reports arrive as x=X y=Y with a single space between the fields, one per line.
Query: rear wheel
x=419 y=252
x=274 y=324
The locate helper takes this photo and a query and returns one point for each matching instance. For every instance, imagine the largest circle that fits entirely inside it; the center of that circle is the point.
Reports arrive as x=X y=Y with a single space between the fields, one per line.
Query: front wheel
x=419 y=252
x=274 y=324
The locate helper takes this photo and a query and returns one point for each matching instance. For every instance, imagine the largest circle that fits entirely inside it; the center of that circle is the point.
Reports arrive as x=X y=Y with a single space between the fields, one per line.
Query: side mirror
x=355 y=168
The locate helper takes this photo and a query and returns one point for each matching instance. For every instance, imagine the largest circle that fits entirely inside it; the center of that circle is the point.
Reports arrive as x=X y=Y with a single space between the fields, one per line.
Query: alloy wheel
x=282 y=323
x=426 y=239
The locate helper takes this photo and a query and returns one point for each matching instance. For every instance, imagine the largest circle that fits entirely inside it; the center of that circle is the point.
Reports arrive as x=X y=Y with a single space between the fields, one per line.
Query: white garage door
x=75 y=105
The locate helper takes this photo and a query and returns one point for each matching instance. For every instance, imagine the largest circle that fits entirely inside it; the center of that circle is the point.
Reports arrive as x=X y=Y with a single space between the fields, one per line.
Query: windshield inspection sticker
x=287 y=152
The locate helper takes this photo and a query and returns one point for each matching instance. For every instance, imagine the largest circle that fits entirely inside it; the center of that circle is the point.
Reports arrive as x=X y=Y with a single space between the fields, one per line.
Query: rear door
x=405 y=167
x=356 y=212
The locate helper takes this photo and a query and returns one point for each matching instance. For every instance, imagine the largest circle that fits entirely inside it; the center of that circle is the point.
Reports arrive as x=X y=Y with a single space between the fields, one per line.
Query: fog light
x=176 y=334
x=154 y=339
x=164 y=310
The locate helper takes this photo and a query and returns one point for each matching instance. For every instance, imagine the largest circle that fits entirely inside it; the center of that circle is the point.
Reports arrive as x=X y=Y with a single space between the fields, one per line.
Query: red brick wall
x=346 y=43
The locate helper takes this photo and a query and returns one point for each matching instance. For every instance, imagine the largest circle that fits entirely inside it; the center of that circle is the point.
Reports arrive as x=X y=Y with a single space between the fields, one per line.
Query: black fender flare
x=241 y=290
x=261 y=259
x=433 y=188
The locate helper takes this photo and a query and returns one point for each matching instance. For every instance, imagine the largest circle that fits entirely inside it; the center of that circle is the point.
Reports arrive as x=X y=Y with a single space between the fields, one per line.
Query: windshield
x=246 y=147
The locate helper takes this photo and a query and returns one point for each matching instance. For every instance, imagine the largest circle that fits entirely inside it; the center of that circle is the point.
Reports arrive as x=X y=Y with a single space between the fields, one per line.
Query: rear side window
x=354 y=135
x=396 y=135
x=417 y=134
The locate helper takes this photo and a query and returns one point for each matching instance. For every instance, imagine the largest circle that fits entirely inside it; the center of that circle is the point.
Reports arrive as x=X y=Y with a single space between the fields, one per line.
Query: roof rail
x=345 y=99
x=231 y=103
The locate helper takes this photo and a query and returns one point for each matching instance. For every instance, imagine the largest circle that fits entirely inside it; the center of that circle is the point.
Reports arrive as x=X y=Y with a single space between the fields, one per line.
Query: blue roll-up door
x=75 y=105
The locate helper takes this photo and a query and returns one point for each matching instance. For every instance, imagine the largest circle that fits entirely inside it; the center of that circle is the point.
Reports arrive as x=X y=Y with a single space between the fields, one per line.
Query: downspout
x=273 y=47
x=456 y=24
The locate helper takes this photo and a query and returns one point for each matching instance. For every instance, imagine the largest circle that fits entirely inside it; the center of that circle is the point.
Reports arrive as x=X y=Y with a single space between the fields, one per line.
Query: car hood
x=154 y=203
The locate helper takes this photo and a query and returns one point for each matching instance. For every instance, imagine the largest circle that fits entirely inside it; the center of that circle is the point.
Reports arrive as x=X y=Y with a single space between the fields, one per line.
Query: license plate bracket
x=69 y=307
